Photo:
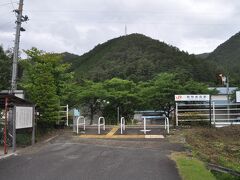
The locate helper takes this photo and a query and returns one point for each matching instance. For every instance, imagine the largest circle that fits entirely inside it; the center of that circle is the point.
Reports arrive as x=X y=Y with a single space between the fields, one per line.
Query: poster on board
x=24 y=117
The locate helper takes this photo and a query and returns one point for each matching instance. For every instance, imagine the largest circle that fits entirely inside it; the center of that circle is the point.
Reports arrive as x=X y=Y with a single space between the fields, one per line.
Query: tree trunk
x=91 y=114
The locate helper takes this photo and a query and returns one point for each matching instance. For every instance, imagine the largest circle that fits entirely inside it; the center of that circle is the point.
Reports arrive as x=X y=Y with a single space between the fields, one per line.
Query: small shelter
x=17 y=113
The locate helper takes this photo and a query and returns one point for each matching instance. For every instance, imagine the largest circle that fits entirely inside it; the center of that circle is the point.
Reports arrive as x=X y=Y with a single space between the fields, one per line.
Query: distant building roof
x=223 y=90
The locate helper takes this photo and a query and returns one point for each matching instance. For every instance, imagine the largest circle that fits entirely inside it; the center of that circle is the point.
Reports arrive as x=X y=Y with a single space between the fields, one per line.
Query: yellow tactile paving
x=112 y=132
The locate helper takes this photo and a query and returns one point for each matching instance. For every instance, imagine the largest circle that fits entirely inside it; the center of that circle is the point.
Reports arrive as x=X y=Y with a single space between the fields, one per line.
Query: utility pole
x=20 y=19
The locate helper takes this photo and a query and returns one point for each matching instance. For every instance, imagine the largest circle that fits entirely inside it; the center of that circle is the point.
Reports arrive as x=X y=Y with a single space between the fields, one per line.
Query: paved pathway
x=70 y=157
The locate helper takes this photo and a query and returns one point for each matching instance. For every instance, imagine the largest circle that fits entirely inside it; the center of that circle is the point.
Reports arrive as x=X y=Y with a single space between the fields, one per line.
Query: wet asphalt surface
x=72 y=158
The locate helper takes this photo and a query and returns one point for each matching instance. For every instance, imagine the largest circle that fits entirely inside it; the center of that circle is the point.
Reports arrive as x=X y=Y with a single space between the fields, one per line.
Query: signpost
x=194 y=98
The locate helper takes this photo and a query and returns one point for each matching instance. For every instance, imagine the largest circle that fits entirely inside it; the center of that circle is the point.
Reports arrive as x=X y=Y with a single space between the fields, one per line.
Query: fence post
x=84 y=123
x=99 y=124
x=214 y=118
x=67 y=114
x=176 y=114
x=210 y=111
x=77 y=123
x=144 y=125
x=122 y=125
x=167 y=125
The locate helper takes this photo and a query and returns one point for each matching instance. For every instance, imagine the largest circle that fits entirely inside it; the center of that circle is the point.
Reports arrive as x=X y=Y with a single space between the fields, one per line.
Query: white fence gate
x=219 y=114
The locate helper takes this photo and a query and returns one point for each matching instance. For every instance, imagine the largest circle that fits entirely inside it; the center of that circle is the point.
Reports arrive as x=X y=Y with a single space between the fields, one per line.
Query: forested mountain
x=138 y=57
x=202 y=56
x=227 y=56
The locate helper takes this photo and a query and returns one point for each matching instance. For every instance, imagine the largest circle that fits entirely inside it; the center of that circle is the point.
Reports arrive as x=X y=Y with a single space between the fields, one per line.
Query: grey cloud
x=77 y=26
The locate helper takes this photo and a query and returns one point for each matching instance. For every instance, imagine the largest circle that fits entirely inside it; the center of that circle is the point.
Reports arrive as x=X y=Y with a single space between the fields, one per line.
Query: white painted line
x=51 y=138
x=154 y=136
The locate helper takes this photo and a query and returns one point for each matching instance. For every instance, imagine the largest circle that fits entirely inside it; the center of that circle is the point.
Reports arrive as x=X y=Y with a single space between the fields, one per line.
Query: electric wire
x=9 y=3
x=3 y=24
x=12 y=4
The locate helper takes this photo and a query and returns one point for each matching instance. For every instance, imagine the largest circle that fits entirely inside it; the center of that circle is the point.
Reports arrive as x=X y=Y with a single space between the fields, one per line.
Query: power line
x=5 y=4
x=135 y=22
x=12 y=4
x=1 y=25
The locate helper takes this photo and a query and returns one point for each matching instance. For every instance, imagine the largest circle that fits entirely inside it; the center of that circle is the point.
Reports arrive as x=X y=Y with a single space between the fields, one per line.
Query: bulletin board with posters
x=24 y=117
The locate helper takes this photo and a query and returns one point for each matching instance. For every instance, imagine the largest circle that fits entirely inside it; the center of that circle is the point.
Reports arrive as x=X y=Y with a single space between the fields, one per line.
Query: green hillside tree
x=91 y=96
x=158 y=94
x=121 y=94
x=46 y=82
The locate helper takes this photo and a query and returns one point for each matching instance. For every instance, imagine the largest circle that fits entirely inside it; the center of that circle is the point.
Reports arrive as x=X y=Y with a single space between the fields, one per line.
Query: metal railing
x=167 y=124
x=122 y=125
x=101 y=124
x=219 y=114
x=145 y=130
x=78 y=123
x=63 y=113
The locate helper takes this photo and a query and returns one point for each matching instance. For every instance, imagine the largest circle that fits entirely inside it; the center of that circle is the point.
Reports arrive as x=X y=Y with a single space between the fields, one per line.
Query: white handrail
x=167 y=124
x=176 y=114
x=99 y=124
x=83 y=123
x=123 y=124
x=144 y=130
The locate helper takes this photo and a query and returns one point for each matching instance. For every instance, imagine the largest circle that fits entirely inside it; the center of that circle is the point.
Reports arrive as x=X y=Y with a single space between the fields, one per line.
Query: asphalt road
x=70 y=158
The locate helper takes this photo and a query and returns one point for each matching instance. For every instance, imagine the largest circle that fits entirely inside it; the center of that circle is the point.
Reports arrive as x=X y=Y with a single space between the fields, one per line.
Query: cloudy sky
x=76 y=26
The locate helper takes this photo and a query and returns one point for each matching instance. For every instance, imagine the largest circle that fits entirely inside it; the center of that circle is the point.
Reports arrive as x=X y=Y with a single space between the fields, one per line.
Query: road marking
x=112 y=132
x=154 y=136
x=122 y=136
x=51 y=138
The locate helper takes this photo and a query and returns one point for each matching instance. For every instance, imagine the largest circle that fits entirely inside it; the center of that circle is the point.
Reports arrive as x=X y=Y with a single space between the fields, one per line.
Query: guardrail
x=101 y=124
x=167 y=124
x=82 y=123
x=123 y=125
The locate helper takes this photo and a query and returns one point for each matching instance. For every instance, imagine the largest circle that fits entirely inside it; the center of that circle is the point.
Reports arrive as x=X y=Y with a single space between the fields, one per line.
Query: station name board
x=192 y=97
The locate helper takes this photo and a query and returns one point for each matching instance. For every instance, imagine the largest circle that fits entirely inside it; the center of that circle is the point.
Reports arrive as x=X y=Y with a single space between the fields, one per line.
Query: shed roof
x=13 y=100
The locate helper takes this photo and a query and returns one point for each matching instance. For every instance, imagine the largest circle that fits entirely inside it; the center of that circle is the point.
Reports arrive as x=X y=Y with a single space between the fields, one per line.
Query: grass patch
x=191 y=168
x=224 y=176
x=216 y=145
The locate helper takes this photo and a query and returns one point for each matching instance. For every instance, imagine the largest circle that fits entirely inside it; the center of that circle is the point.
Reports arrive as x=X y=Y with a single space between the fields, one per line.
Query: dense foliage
x=138 y=58
x=156 y=94
x=5 y=69
x=46 y=83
